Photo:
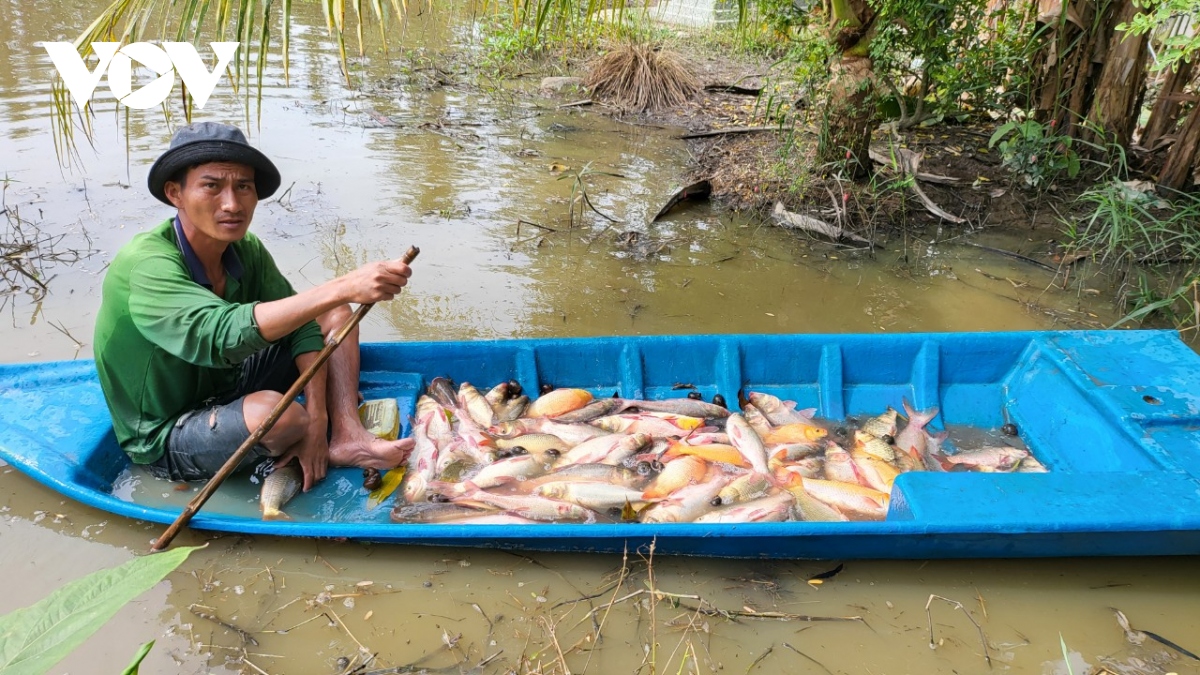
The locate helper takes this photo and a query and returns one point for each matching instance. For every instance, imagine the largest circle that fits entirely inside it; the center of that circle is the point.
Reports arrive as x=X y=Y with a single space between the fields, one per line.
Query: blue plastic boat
x=1114 y=415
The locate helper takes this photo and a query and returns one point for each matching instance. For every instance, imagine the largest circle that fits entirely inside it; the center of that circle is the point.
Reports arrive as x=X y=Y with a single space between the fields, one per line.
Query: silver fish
x=571 y=433
x=599 y=473
x=748 y=442
x=278 y=489
x=911 y=440
x=685 y=504
x=780 y=412
x=609 y=449
x=592 y=495
x=422 y=462
x=480 y=411
x=430 y=512
x=682 y=406
x=529 y=506
x=508 y=470
x=594 y=410
x=1003 y=458
x=512 y=409
x=774 y=508
x=496 y=396
x=757 y=421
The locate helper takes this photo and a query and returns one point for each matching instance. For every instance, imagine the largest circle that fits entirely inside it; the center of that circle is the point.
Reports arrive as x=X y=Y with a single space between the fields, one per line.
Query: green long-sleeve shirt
x=165 y=343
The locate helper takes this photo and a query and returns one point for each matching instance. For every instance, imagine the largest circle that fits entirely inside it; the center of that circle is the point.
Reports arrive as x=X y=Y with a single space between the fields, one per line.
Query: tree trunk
x=1114 y=110
x=850 y=109
x=1165 y=113
x=849 y=115
x=1068 y=66
x=1181 y=160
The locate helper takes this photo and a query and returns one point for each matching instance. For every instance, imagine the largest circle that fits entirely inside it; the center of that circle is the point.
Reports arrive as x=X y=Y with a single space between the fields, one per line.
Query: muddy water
x=453 y=168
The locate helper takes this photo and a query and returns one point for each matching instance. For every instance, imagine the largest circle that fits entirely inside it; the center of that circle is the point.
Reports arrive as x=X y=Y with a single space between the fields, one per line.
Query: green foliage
x=1130 y=229
x=1167 y=21
x=132 y=668
x=1033 y=152
x=943 y=58
x=1125 y=225
x=34 y=638
x=504 y=45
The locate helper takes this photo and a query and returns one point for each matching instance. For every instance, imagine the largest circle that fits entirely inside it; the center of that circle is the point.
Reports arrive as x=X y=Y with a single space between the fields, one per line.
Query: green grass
x=1154 y=242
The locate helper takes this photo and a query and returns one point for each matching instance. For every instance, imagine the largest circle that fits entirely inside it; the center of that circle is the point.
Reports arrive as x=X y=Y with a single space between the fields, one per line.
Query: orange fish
x=798 y=432
x=558 y=402
x=713 y=452
x=875 y=472
x=677 y=474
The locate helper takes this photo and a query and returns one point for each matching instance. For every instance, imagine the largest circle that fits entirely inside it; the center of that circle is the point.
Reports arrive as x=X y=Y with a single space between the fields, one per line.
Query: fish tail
x=273 y=513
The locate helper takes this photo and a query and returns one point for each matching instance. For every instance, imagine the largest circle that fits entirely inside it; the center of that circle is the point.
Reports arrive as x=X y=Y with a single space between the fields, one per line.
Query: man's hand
x=375 y=282
x=312 y=452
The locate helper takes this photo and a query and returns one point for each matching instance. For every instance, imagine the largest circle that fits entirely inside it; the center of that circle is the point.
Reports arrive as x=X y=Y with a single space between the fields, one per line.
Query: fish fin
x=941 y=461
x=275 y=514
x=674 y=449
x=807 y=412
x=908 y=409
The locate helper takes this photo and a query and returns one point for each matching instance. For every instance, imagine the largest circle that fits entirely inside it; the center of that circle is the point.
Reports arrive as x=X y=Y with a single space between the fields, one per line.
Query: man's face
x=217 y=199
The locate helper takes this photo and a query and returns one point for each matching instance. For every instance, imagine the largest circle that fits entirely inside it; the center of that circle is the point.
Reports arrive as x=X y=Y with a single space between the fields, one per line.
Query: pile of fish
x=499 y=458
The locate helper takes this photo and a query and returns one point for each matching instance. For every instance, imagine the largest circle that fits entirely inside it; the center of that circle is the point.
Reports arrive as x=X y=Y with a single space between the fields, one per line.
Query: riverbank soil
x=752 y=141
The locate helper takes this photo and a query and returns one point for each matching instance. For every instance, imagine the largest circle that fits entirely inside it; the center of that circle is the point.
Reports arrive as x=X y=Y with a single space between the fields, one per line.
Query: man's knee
x=257 y=407
x=334 y=319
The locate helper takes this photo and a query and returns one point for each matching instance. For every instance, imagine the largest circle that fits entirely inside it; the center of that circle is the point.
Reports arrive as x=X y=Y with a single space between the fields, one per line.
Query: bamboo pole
x=331 y=344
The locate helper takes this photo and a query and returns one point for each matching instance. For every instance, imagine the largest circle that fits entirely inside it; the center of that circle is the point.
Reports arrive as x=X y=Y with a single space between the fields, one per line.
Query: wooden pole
x=263 y=429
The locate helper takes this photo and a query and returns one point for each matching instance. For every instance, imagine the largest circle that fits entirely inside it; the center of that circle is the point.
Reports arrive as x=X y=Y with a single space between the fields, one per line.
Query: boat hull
x=1114 y=415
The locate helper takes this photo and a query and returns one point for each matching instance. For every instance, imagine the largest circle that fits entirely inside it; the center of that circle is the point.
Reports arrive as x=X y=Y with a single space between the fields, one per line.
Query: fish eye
x=887 y=438
x=715 y=501
x=514 y=389
x=546 y=388
x=656 y=465
x=695 y=396
x=554 y=452
x=503 y=454
x=840 y=432
x=720 y=400
x=1009 y=429
x=519 y=450
x=438 y=498
x=643 y=468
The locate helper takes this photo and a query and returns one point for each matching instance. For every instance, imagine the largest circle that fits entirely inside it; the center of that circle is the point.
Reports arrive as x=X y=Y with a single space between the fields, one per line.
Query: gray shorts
x=203 y=439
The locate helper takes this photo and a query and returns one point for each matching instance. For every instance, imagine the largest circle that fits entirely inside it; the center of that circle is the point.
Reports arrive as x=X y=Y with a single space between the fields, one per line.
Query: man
x=198 y=332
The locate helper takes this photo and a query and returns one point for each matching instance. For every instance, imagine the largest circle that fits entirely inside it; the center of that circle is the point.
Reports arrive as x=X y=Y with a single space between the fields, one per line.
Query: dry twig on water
x=641 y=77
x=241 y=633
x=959 y=606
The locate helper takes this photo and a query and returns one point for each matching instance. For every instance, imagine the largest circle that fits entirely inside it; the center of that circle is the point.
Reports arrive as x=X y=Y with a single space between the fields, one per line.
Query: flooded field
x=462 y=166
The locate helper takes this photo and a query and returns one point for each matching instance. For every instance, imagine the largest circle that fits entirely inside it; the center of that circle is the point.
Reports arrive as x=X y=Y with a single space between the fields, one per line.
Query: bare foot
x=364 y=450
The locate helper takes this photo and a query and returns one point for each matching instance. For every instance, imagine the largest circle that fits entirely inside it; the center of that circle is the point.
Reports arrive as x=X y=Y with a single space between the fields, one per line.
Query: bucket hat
x=211 y=142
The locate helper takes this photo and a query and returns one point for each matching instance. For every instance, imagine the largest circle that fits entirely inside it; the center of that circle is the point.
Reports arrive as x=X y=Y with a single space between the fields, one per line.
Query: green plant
x=1125 y=225
x=1129 y=228
x=579 y=194
x=34 y=638
x=1036 y=154
x=136 y=663
x=1169 y=19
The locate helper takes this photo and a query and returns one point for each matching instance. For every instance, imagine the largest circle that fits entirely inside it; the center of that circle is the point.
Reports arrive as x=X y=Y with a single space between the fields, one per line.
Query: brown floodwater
x=462 y=161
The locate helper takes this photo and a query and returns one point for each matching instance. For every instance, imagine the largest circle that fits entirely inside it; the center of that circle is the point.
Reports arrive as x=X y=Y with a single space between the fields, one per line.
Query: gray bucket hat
x=211 y=142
